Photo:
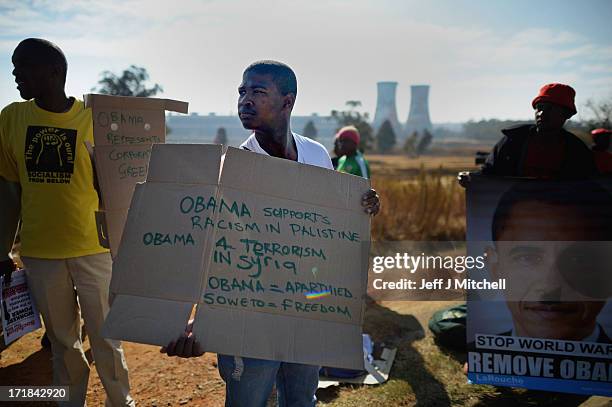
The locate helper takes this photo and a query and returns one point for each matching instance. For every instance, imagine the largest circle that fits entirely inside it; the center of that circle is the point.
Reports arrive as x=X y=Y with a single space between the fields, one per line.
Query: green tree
x=424 y=142
x=132 y=82
x=221 y=137
x=410 y=144
x=385 y=138
x=310 y=130
x=487 y=130
x=353 y=104
x=360 y=120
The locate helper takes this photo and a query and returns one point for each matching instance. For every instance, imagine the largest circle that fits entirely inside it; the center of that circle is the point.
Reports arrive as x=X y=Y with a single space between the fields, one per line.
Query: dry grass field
x=420 y=197
x=427 y=206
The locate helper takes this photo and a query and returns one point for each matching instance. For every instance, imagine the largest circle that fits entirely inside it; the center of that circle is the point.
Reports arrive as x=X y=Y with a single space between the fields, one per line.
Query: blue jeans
x=249 y=382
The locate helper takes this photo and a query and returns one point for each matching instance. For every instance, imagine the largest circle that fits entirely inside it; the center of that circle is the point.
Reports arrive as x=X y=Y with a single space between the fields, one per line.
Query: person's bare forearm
x=10 y=209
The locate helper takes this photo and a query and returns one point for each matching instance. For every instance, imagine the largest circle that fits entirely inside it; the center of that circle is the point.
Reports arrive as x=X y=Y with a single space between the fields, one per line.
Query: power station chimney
x=418 y=117
x=385 y=108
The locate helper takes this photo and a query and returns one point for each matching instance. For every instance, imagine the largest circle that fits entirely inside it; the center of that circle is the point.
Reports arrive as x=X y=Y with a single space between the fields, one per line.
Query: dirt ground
x=156 y=379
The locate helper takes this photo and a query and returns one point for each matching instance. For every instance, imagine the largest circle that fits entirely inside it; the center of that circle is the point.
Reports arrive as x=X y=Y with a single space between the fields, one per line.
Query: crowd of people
x=47 y=184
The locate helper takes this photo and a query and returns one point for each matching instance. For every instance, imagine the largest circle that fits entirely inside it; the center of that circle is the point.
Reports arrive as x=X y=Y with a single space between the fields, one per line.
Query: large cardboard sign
x=125 y=128
x=274 y=253
x=551 y=240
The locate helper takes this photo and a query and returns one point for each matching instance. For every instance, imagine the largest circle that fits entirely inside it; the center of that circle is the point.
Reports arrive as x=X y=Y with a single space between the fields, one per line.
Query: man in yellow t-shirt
x=42 y=151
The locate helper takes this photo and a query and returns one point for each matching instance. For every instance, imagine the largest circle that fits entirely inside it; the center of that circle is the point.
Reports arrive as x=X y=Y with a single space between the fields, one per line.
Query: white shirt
x=308 y=151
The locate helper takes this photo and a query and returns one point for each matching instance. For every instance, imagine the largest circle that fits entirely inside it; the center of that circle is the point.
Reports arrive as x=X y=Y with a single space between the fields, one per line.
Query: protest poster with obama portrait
x=551 y=241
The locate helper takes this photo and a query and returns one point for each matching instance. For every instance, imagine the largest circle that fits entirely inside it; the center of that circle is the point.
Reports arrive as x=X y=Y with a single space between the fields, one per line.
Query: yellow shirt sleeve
x=8 y=164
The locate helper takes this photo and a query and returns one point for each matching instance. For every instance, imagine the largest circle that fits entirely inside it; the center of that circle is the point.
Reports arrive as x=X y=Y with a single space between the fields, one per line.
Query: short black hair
x=282 y=76
x=590 y=199
x=45 y=52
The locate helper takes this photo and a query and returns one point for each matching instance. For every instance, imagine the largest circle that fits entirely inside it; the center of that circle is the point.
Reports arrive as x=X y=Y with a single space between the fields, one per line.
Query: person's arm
x=490 y=165
x=488 y=168
x=10 y=208
x=10 y=197
x=371 y=202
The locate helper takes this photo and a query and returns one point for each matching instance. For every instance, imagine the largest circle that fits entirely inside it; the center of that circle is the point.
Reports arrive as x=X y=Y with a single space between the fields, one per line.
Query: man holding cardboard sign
x=42 y=148
x=266 y=98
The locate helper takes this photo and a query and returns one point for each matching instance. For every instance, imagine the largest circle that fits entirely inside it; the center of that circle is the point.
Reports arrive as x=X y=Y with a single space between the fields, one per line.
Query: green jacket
x=356 y=165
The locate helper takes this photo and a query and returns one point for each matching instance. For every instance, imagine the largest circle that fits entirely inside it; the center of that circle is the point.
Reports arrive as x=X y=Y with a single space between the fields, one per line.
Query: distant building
x=386 y=108
x=195 y=128
x=418 y=117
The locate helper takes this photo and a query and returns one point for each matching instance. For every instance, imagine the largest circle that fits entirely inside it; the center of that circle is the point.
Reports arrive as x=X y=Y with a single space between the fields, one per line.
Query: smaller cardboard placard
x=124 y=130
x=122 y=167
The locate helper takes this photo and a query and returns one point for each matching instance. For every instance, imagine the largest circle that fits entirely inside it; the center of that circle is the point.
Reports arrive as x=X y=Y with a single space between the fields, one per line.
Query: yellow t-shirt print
x=49 y=154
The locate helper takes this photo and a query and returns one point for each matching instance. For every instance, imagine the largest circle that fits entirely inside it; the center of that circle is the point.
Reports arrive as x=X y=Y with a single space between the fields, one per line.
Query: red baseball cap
x=557 y=93
x=600 y=132
x=348 y=133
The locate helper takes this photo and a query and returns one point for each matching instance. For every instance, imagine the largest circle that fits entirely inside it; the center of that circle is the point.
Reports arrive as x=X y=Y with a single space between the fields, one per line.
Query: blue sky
x=482 y=59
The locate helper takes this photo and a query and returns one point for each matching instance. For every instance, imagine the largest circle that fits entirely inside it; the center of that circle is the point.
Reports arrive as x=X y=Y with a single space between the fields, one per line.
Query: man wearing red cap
x=601 y=150
x=546 y=149
x=351 y=160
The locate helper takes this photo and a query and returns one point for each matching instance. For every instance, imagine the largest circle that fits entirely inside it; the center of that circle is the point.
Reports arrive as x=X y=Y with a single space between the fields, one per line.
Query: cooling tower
x=418 y=117
x=385 y=108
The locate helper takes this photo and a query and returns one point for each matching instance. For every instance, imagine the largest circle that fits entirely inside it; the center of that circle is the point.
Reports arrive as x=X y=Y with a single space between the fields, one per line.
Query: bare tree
x=310 y=130
x=602 y=113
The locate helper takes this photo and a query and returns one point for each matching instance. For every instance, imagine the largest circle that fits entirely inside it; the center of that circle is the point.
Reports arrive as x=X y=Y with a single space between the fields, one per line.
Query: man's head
x=266 y=95
x=553 y=106
x=348 y=140
x=551 y=242
x=40 y=68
